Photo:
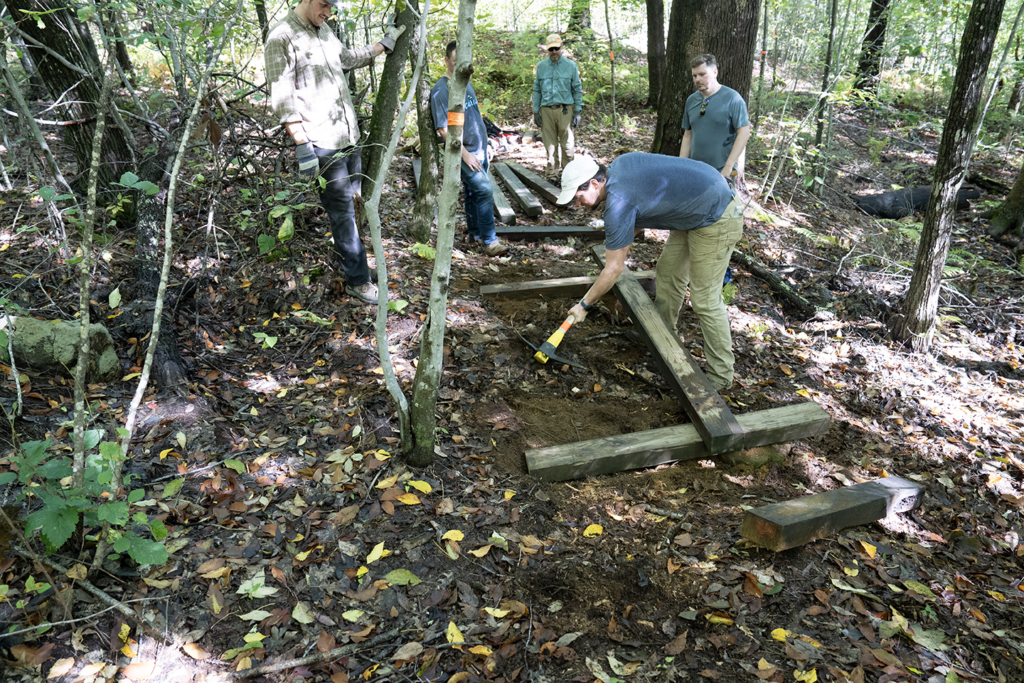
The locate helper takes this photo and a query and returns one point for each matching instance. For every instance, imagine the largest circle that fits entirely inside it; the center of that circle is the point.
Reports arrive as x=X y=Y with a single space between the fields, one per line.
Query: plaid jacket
x=307 y=83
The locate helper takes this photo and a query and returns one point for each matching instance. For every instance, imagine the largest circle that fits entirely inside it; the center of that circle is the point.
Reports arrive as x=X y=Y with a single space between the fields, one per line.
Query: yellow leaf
x=253 y=637
x=496 y=613
x=786 y=369
x=217 y=573
x=78 y=572
x=301 y=557
x=369 y=672
x=377 y=553
x=157 y=583
x=806 y=676
x=454 y=535
x=297 y=306
x=361 y=571
x=126 y=631
x=165 y=452
x=851 y=572
x=509 y=494
x=803 y=392
x=593 y=530
x=869 y=549
x=421 y=486
x=717 y=619
x=454 y=634
x=195 y=652
x=61 y=666
x=764 y=665
x=408 y=499
x=997 y=595
x=131 y=376
x=127 y=650
x=253 y=411
x=780 y=634
x=353 y=615
x=480 y=650
x=387 y=483
x=480 y=552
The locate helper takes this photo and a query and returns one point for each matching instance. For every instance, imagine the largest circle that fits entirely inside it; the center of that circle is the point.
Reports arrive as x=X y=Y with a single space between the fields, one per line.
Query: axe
x=547 y=349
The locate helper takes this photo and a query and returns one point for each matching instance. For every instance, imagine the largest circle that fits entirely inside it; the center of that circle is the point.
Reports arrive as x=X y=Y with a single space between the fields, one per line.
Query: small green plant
x=729 y=293
x=48 y=480
x=397 y=306
x=268 y=341
x=424 y=251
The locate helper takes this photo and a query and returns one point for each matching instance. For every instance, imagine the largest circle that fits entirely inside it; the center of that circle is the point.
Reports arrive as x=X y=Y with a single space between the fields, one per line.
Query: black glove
x=576 y=119
x=388 y=41
x=308 y=163
x=536 y=119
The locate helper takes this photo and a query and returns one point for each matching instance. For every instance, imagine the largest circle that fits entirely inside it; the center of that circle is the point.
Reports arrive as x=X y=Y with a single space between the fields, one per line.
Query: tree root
x=779 y=286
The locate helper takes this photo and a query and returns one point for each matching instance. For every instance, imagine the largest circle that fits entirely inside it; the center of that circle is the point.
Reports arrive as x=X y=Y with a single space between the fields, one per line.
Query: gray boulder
x=52 y=346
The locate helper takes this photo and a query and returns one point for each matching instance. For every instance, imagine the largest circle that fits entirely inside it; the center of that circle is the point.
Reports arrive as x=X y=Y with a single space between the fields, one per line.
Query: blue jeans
x=343 y=171
x=479 y=203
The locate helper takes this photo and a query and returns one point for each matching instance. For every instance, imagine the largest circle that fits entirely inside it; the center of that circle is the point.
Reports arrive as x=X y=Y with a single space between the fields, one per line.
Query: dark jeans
x=343 y=171
x=479 y=203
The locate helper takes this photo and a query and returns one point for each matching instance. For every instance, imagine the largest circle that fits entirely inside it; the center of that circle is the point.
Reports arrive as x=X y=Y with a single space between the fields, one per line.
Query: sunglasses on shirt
x=703 y=106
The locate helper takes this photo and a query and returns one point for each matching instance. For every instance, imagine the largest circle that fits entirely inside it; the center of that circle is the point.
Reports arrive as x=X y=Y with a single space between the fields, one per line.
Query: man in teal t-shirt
x=557 y=103
x=695 y=203
x=714 y=120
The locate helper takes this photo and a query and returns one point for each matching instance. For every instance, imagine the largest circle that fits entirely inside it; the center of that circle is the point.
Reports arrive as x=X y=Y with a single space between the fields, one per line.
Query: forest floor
x=292 y=473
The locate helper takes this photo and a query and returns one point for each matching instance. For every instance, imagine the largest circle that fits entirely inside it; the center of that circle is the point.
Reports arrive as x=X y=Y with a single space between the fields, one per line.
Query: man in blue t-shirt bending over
x=692 y=200
x=475 y=161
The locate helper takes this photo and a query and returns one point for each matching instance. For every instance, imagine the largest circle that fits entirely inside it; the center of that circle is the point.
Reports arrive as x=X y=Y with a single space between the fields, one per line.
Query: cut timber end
x=527 y=202
x=565 y=287
x=793 y=523
x=669 y=444
x=535 y=182
x=502 y=209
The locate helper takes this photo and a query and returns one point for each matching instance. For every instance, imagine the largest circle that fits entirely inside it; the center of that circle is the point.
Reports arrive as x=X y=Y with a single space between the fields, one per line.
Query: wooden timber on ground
x=502 y=209
x=669 y=444
x=566 y=287
x=535 y=182
x=701 y=401
x=527 y=202
x=558 y=232
x=795 y=522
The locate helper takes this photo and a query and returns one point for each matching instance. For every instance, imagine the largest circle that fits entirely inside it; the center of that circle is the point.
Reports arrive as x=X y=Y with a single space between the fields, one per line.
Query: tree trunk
x=655 y=51
x=1008 y=217
x=261 y=17
x=827 y=74
x=1016 y=95
x=386 y=104
x=37 y=89
x=426 y=189
x=65 y=35
x=759 y=105
x=918 y=322
x=727 y=30
x=428 y=372
x=123 y=58
x=579 y=20
x=869 y=69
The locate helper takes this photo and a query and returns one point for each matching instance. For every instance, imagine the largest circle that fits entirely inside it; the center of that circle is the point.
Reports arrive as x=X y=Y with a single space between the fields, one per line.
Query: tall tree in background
x=386 y=104
x=728 y=30
x=579 y=19
x=75 y=81
x=1008 y=217
x=655 y=50
x=917 y=324
x=869 y=68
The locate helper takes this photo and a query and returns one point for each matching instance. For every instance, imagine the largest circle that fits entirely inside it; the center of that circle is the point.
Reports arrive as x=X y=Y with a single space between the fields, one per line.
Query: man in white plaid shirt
x=309 y=95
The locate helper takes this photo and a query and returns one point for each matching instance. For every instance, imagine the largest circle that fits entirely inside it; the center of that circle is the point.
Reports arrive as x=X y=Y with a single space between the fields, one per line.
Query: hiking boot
x=366 y=293
x=496 y=248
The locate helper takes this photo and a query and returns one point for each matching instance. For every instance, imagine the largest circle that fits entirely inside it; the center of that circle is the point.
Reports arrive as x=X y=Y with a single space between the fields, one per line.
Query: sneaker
x=366 y=293
x=496 y=248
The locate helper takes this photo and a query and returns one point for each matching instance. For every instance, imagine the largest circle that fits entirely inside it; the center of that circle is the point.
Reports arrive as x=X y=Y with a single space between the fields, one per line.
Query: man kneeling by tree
x=692 y=200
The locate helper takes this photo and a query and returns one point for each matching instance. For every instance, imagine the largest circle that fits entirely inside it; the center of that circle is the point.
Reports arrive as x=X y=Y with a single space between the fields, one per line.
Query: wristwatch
x=585 y=305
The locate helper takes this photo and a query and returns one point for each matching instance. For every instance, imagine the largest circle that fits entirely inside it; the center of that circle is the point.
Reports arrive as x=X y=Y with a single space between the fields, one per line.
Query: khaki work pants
x=557 y=136
x=698 y=259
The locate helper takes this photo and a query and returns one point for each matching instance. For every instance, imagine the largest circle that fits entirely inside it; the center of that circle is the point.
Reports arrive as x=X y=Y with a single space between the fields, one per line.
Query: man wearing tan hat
x=693 y=201
x=557 y=103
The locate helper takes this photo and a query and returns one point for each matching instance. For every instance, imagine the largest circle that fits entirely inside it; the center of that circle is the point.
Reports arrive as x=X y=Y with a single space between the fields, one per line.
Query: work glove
x=576 y=119
x=388 y=41
x=536 y=119
x=308 y=163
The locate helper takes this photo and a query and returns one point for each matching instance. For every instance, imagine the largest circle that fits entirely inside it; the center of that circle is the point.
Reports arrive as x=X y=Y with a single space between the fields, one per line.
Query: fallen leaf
x=377 y=553
x=61 y=667
x=408 y=499
x=454 y=535
x=302 y=613
x=421 y=486
x=408 y=651
x=869 y=549
x=593 y=530
x=676 y=645
x=352 y=615
x=139 y=671
x=255 y=615
x=480 y=552
x=454 y=634
x=402 y=577
x=78 y=572
x=806 y=676
x=195 y=652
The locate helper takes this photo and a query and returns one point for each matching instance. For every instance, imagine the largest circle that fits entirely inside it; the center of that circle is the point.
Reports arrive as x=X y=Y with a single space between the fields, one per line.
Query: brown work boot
x=496 y=248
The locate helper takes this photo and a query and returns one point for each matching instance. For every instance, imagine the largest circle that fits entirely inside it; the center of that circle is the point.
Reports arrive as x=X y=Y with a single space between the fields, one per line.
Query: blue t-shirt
x=715 y=132
x=474 y=132
x=662 y=193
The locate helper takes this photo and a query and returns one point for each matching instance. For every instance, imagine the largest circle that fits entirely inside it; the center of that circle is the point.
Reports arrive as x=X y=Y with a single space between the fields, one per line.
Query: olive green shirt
x=557 y=83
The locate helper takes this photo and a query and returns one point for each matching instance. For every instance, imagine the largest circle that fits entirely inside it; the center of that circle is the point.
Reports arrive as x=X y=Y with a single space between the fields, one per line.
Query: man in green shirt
x=557 y=103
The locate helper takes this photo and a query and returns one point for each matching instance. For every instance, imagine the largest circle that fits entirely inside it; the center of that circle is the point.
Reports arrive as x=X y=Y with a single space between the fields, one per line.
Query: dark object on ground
x=795 y=522
x=902 y=203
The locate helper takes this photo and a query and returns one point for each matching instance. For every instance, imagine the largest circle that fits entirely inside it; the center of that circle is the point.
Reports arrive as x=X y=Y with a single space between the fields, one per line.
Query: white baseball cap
x=576 y=172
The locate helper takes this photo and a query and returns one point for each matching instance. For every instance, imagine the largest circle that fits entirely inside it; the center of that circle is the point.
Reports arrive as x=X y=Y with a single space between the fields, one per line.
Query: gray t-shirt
x=715 y=132
x=662 y=193
x=474 y=132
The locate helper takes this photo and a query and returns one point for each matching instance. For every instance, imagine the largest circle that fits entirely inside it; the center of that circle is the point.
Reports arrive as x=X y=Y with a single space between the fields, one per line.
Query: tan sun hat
x=553 y=41
x=576 y=172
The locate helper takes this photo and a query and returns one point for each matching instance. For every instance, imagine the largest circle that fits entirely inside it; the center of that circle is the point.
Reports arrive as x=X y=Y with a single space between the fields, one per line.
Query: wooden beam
x=669 y=444
x=527 y=202
x=796 y=522
x=558 y=232
x=536 y=182
x=566 y=287
x=502 y=209
x=708 y=411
